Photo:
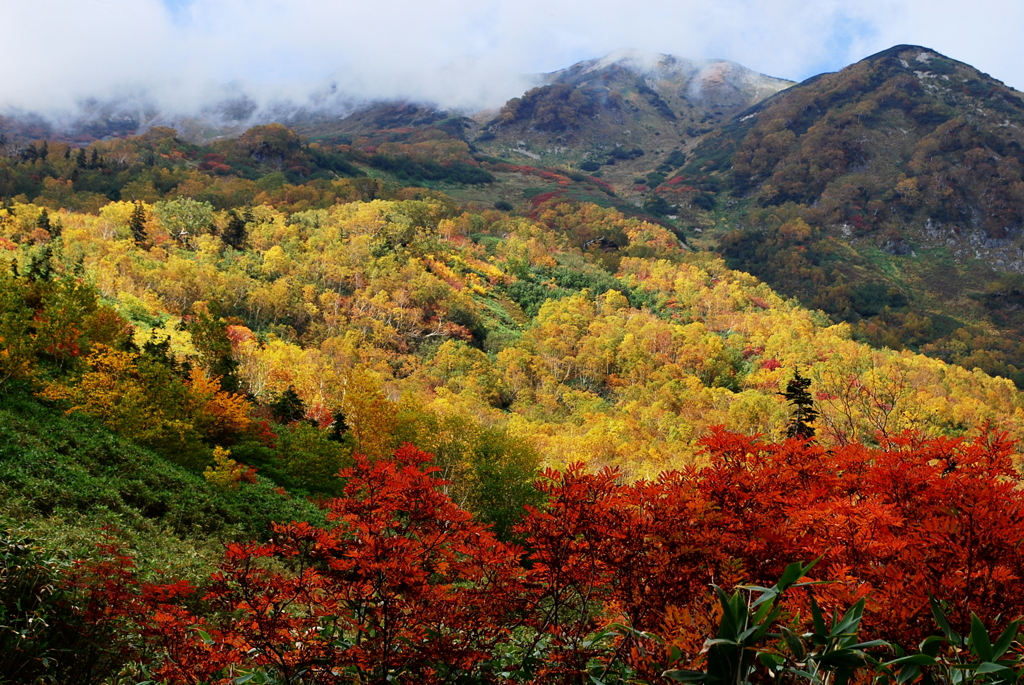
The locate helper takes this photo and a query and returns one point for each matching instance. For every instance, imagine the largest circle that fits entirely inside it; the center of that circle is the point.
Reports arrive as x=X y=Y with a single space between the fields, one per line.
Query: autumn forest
x=340 y=411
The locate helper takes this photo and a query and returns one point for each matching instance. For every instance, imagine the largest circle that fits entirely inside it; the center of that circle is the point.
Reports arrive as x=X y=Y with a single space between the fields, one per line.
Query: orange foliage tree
x=405 y=587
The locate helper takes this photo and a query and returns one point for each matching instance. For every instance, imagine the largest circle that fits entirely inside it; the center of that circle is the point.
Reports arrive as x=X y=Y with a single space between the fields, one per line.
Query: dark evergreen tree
x=235 y=233
x=80 y=157
x=657 y=205
x=137 y=223
x=339 y=428
x=288 y=406
x=39 y=267
x=43 y=221
x=802 y=405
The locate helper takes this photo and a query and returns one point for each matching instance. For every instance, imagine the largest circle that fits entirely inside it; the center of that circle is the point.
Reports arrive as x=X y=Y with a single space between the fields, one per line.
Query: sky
x=467 y=54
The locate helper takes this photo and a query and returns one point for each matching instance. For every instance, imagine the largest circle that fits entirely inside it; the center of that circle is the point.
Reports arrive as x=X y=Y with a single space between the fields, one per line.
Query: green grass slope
x=63 y=478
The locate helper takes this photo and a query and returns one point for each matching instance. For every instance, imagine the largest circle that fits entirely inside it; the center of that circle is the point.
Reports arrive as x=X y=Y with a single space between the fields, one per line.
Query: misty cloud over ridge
x=180 y=55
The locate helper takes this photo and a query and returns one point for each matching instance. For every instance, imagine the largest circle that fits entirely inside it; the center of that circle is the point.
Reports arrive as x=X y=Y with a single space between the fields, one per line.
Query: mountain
x=597 y=112
x=614 y=110
x=95 y=119
x=934 y=140
x=200 y=337
x=889 y=193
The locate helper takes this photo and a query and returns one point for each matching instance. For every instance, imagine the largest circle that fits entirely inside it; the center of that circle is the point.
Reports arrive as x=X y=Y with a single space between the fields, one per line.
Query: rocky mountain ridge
x=619 y=106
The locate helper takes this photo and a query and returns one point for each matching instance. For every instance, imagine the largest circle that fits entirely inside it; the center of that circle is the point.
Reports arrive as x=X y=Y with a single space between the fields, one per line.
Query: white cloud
x=454 y=52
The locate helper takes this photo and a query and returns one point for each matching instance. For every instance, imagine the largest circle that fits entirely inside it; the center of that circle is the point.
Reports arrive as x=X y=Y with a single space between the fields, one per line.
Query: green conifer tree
x=235 y=232
x=801 y=422
x=39 y=267
x=137 y=222
x=288 y=406
x=339 y=427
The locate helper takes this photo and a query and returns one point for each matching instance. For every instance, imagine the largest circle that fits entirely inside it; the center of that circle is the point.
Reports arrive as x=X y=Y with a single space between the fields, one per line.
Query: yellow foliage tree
x=225 y=472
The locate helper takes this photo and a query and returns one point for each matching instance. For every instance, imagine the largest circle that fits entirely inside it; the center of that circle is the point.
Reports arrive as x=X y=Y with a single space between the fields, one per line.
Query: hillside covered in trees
x=555 y=425
x=885 y=194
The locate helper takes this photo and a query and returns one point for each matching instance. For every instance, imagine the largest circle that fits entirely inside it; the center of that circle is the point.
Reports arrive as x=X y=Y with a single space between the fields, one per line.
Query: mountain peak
x=641 y=60
x=923 y=53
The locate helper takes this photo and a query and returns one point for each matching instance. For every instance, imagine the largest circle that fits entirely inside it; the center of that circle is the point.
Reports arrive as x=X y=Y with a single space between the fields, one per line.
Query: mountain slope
x=627 y=105
x=905 y=140
x=63 y=477
x=889 y=192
